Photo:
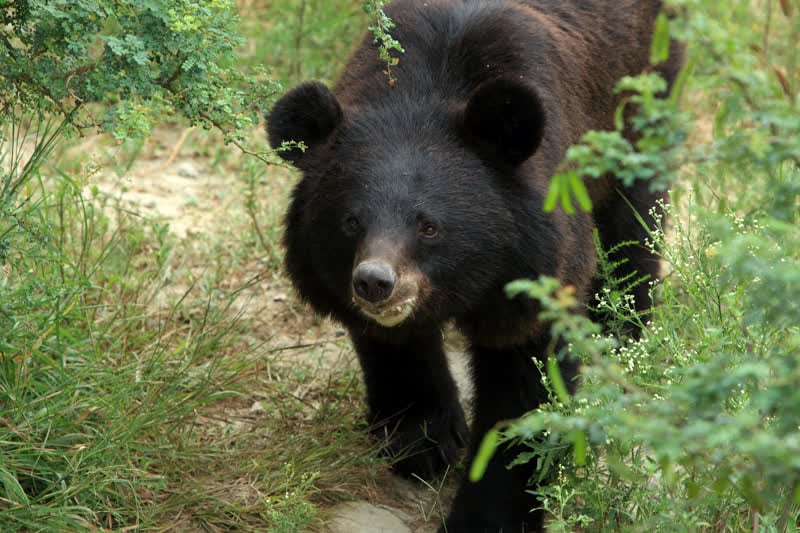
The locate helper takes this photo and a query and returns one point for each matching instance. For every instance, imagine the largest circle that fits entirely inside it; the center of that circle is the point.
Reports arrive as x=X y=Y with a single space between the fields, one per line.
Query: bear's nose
x=373 y=281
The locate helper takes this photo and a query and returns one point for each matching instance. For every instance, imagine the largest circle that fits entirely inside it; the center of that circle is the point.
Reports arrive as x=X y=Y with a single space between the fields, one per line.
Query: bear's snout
x=385 y=293
x=374 y=281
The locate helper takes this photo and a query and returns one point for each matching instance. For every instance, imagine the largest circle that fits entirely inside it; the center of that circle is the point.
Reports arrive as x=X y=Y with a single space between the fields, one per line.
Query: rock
x=257 y=408
x=363 y=517
x=188 y=170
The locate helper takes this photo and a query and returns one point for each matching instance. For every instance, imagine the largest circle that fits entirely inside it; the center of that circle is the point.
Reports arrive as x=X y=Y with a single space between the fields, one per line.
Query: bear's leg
x=617 y=223
x=507 y=385
x=413 y=402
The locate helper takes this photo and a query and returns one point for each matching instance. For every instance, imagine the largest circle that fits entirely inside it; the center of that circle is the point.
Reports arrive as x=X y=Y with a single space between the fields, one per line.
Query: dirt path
x=178 y=186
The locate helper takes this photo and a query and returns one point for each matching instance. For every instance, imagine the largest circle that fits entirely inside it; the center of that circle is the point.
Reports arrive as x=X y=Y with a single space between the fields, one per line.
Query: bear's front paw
x=497 y=503
x=476 y=522
x=424 y=443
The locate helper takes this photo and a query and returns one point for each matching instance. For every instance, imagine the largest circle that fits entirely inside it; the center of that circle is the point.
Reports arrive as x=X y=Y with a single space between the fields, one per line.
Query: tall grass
x=95 y=382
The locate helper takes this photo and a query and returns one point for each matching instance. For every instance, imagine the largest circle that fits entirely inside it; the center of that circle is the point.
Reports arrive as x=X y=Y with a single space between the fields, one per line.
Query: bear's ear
x=307 y=113
x=504 y=121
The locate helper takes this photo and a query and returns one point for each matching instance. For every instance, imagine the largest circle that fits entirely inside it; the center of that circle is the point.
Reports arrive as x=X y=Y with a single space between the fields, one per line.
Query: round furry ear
x=504 y=121
x=307 y=113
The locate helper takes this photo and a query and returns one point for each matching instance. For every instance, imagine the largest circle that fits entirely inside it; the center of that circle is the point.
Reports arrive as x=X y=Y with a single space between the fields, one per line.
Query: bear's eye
x=428 y=229
x=351 y=224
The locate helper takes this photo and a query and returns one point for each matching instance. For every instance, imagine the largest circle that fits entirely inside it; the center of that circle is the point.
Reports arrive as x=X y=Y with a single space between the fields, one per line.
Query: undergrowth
x=138 y=389
x=693 y=427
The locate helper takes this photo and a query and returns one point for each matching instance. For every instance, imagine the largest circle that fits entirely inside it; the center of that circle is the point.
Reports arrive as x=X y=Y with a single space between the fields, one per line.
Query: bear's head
x=408 y=209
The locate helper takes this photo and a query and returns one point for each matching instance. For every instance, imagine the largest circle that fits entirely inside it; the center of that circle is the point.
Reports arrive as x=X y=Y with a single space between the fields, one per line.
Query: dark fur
x=488 y=96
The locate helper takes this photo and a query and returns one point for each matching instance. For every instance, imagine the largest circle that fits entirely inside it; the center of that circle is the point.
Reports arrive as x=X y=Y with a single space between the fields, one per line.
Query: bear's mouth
x=389 y=315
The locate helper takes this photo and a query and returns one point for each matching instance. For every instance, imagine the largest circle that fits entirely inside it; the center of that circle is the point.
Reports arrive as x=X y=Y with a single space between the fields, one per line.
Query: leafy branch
x=380 y=30
x=141 y=60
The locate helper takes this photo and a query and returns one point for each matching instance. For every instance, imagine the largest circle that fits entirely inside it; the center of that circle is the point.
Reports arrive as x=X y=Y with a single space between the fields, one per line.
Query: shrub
x=144 y=60
x=694 y=427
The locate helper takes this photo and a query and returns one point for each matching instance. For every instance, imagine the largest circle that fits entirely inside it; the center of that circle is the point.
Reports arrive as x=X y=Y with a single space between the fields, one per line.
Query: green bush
x=143 y=60
x=695 y=426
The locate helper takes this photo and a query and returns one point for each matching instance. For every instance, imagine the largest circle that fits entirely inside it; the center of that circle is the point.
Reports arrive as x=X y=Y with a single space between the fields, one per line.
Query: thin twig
x=177 y=148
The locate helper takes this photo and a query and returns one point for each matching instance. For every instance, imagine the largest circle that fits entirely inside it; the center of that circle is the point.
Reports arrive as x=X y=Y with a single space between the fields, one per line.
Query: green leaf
x=619 y=116
x=579 y=191
x=553 y=193
x=578 y=438
x=484 y=455
x=659 y=48
x=14 y=493
x=519 y=286
x=554 y=373
x=617 y=465
x=680 y=82
x=566 y=199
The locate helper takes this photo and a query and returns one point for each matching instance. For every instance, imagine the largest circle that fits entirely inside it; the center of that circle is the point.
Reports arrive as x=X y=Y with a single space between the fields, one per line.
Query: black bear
x=422 y=198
